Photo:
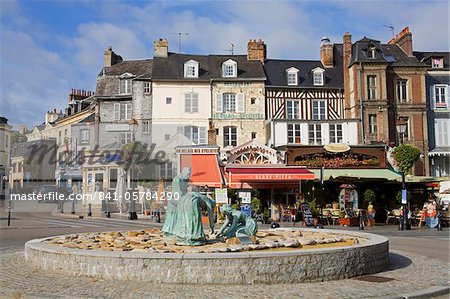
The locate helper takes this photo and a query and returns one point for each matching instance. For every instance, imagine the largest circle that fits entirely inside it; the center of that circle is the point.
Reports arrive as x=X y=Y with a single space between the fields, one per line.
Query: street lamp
x=401 y=129
x=133 y=125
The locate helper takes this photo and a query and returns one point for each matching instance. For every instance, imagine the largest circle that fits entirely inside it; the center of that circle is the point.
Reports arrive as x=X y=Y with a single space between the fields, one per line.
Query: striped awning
x=440 y=151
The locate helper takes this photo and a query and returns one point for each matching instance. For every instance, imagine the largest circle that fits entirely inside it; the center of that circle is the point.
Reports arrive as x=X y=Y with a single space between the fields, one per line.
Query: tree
x=16 y=137
x=405 y=156
x=369 y=195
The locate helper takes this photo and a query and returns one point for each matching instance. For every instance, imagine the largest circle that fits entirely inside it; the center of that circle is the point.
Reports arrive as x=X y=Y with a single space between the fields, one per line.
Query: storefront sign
x=246 y=197
x=336 y=148
x=221 y=195
x=117 y=127
x=269 y=177
x=238 y=116
x=404 y=201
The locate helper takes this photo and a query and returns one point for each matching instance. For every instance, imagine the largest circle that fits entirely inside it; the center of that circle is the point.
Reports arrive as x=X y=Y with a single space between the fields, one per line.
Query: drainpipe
x=361 y=110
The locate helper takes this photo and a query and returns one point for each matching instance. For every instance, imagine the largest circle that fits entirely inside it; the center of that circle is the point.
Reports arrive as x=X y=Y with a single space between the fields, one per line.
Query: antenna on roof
x=231 y=49
x=392 y=29
x=179 y=38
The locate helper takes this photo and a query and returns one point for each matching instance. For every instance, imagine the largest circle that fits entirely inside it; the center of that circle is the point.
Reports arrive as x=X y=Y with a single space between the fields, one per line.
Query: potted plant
x=344 y=220
x=369 y=197
x=314 y=211
x=266 y=215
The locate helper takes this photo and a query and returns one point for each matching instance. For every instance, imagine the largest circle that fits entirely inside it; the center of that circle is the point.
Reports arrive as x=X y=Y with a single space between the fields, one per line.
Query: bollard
x=73 y=207
x=89 y=210
x=361 y=222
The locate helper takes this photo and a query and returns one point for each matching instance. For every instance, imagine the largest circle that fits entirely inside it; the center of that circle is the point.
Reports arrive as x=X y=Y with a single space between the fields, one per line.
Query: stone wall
x=269 y=267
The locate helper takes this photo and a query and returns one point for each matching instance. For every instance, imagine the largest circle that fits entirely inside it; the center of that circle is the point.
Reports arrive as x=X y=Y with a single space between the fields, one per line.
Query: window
x=166 y=137
x=437 y=62
x=253 y=101
x=253 y=135
x=319 y=110
x=196 y=134
x=229 y=68
x=84 y=136
x=125 y=86
x=168 y=100
x=292 y=76
x=440 y=96
x=318 y=78
x=335 y=133
x=166 y=170
x=229 y=102
x=191 y=69
x=294 y=133
x=126 y=137
x=60 y=137
x=122 y=111
x=315 y=134
x=229 y=136
x=112 y=178
x=442 y=132
x=6 y=141
x=146 y=87
x=146 y=126
x=293 y=109
x=372 y=123
x=191 y=102
x=371 y=87
x=402 y=90
x=371 y=53
x=405 y=120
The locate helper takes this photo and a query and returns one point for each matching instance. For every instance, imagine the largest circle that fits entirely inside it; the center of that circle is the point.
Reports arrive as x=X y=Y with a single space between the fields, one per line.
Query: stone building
x=5 y=148
x=384 y=85
x=237 y=97
x=305 y=100
x=438 y=110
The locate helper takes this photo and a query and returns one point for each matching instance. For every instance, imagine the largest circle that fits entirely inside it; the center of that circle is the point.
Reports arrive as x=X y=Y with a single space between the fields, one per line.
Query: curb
x=427 y=293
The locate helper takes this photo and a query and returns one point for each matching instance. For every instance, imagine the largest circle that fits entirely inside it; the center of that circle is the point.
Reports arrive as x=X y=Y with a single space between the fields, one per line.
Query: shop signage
x=197 y=150
x=307 y=215
x=336 y=148
x=238 y=116
x=221 y=195
x=269 y=177
x=246 y=197
x=117 y=127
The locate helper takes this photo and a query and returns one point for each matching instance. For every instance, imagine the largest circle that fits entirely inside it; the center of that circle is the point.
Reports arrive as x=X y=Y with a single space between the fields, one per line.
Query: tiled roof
x=276 y=71
x=142 y=68
x=426 y=57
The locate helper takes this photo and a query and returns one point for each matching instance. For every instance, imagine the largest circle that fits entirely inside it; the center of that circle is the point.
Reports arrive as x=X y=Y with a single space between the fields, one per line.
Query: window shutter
x=432 y=97
x=240 y=106
x=195 y=102
x=202 y=137
x=129 y=110
x=219 y=103
x=188 y=102
x=116 y=111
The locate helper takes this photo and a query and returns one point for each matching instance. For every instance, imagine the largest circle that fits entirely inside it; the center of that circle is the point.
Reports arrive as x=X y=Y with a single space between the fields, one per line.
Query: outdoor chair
x=326 y=216
x=394 y=216
x=335 y=216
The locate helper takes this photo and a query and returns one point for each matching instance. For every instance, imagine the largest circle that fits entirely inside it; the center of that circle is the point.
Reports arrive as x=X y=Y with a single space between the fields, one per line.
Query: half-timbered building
x=304 y=100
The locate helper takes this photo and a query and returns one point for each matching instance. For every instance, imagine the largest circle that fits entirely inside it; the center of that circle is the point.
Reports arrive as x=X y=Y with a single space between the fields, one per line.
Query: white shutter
x=202 y=135
x=194 y=102
x=116 y=111
x=240 y=106
x=219 y=103
x=188 y=102
x=432 y=97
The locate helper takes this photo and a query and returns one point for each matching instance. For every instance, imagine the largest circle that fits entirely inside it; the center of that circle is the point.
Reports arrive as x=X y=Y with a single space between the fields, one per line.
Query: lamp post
x=132 y=213
x=401 y=129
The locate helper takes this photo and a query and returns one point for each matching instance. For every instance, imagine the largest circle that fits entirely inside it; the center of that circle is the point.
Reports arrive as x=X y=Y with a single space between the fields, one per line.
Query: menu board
x=221 y=195
x=307 y=216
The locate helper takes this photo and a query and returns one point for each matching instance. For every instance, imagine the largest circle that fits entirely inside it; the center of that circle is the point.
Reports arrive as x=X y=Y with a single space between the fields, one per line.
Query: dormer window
x=229 y=69
x=125 y=83
x=318 y=76
x=292 y=76
x=437 y=62
x=191 y=69
x=371 y=53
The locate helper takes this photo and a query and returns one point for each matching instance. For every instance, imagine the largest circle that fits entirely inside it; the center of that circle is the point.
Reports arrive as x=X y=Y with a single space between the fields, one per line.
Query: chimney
x=404 y=41
x=111 y=58
x=346 y=55
x=22 y=129
x=161 y=48
x=326 y=52
x=212 y=136
x=51 y=116
x=256 y=50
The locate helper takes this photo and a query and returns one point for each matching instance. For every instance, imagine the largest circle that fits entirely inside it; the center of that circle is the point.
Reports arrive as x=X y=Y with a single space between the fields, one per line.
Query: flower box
x=349 y=221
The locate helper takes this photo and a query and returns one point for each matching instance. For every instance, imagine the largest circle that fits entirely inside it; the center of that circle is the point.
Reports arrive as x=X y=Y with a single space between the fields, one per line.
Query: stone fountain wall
x=266 y=267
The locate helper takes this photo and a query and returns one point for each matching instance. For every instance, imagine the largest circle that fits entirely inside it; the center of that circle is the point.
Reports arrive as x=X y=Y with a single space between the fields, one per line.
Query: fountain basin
x=247 y=267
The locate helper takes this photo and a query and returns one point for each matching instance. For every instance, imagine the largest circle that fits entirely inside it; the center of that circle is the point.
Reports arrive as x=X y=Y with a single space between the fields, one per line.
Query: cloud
x=31 y=77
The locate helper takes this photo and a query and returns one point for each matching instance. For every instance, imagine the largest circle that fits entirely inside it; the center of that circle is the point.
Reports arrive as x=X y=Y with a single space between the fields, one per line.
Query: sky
x=49 y=47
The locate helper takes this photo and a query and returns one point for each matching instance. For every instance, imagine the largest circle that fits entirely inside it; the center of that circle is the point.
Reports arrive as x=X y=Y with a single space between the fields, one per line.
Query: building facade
x=305 y=101
x=438 y=110
x=5 y=148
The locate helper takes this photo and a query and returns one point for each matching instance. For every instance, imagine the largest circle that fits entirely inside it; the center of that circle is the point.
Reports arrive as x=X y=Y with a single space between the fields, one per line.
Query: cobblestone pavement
x=410 y=272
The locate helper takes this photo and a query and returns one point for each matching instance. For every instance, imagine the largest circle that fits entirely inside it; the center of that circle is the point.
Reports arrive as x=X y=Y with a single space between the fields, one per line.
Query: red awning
x=204 y=169
x=240 y=176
